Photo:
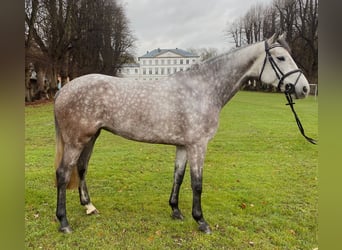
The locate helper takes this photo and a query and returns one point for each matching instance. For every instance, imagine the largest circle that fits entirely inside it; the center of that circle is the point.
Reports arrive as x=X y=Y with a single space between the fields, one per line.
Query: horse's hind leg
x=63 y=174
x=82 y=166
x=180 y=165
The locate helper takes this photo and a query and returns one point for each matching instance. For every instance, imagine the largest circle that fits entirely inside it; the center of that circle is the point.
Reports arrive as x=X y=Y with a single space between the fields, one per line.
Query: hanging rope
x=300 y=127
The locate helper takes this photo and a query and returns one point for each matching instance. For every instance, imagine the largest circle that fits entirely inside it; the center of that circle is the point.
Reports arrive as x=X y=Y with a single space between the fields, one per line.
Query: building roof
x=157 y=52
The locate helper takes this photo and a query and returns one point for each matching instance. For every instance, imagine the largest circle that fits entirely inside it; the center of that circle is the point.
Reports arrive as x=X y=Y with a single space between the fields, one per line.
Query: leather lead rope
x=300 y=127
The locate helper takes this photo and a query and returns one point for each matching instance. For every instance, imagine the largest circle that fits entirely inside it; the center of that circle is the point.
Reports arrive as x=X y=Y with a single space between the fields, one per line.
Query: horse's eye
x=281 y=58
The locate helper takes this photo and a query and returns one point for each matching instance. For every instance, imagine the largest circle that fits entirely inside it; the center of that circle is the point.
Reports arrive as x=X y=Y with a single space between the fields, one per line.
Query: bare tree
x=269 y=22
x=288 y=14
x=307 y=26
x=31 y=9
x=103 y=38
x=50 y=29
x=298 y=18
x=75 y=37
x=235 y=32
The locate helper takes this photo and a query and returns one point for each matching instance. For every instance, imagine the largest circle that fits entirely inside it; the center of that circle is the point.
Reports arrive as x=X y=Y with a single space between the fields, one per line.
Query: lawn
x=260 y=185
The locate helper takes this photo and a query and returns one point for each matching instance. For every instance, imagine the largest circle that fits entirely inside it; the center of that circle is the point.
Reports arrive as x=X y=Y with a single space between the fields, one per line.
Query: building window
x=150 y=70
x=150 y=62
x=144 y=71
x=168 y=61
x=156 y=62
x=144 y=62
x=175 y=61
x=162 y=71
x=174 y=70
x=181 y=61
x=180 y=69
x=187 y=61
x=156 y=71
x=136 y=71
x=168 y=71
x=162 y=62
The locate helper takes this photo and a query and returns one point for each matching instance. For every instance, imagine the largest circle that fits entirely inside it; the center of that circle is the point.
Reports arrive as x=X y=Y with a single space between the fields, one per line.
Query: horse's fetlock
x=197 y=215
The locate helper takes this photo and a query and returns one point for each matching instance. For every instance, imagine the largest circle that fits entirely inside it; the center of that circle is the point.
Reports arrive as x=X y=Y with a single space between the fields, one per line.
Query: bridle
x=289 y=87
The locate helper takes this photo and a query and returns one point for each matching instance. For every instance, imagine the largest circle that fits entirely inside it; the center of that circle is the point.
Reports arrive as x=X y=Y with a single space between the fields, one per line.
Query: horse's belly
x=147 y=131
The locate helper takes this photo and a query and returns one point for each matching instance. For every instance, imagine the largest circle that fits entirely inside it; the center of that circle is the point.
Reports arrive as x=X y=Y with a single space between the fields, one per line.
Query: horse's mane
x=195 y=66
x=231 y=51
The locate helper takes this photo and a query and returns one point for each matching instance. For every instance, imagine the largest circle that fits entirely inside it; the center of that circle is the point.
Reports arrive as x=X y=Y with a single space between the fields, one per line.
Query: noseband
x=289 y=87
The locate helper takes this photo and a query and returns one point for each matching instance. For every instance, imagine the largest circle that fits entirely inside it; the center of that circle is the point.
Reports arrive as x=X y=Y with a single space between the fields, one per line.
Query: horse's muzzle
x=305 y=92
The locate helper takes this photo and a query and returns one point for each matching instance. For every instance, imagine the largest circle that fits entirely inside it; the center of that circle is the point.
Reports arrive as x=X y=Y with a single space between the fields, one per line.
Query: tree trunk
x=28 y=96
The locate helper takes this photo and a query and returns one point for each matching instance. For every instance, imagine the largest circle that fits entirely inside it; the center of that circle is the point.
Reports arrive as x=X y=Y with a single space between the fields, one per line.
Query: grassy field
x=260 y=185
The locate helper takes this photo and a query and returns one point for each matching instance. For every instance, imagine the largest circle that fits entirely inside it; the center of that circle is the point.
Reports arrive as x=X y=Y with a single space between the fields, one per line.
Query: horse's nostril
x=305 y=89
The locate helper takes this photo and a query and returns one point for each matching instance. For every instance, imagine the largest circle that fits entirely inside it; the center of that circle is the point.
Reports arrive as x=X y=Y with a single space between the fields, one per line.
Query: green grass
x=260 y=185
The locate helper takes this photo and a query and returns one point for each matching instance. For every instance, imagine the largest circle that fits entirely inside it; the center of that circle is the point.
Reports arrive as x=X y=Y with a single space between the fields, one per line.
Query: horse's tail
x=74 y=179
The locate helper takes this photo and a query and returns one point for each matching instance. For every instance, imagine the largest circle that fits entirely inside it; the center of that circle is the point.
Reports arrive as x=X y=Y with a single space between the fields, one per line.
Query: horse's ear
x=272 y=39
x=282 y=36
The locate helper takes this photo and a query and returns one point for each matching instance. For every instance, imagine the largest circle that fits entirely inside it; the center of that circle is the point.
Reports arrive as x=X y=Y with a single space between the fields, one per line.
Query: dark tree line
x=298 y=18
x=68 y=38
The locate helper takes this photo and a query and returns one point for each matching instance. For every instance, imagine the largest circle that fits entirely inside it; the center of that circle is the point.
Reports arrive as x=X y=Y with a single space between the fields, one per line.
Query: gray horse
x=181 y=110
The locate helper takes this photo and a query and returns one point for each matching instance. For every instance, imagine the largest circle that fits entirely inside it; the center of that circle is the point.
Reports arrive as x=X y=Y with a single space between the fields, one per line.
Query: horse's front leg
x=196 y=154
x=180 y=165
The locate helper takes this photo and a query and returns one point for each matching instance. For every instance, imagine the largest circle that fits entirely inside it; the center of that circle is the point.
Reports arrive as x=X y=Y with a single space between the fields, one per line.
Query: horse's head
x=278 y=68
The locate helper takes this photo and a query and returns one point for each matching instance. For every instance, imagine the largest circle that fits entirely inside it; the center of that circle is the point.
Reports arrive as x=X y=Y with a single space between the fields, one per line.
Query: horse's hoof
x=66 y=230
x=91 y=209
x=177 y=215
x=204 y=228
x=92 y=212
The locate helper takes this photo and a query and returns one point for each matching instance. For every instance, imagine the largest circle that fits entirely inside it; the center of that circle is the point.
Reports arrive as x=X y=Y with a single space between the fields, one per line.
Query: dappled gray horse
x=182 y=110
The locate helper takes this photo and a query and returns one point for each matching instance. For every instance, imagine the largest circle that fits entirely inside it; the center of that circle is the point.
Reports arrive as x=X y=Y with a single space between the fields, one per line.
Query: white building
x=158 y=63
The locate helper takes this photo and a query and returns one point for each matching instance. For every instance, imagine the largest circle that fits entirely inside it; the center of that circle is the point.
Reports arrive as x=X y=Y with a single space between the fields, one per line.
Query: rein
x=299 y=124
x=289 y=87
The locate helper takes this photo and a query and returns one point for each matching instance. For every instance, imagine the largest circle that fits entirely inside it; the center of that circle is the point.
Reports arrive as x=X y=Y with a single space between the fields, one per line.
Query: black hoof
x=204 y=227
x=177 y=215
x=66 y=230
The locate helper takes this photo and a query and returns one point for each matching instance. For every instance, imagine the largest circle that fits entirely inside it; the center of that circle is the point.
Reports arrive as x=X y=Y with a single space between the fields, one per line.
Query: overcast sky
x=183 y=24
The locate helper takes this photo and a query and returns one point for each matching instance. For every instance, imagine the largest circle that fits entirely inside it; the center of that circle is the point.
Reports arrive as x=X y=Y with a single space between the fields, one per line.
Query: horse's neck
x=229 y=72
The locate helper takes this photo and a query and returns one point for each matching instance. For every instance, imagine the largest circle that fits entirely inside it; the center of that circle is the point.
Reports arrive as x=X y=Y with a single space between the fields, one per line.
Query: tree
x=32 y=8
x=307 y=26
x=298 y=18
x=75 y=37
x=235 y=31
